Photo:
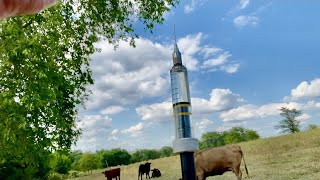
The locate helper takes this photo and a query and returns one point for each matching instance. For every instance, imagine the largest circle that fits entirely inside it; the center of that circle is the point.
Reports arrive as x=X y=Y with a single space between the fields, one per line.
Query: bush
x=234 y=135
x=144 y=155
x=166 y=151
x=55 y=176
x=60 y=163
x=312 y=127
x=114 y=157
x=89 y=162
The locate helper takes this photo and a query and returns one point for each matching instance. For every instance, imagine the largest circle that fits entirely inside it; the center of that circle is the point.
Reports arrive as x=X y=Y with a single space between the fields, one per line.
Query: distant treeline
x=234 y=135
x=62 y=163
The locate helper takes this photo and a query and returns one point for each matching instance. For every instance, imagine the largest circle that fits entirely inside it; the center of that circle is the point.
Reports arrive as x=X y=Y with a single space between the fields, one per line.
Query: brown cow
x=113 y=173
x=216 y=161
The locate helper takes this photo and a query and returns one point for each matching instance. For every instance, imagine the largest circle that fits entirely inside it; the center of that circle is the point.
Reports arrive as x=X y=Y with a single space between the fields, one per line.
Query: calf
x=144 y=168
x=113 y=173
x=216 y=161
x=155 y=173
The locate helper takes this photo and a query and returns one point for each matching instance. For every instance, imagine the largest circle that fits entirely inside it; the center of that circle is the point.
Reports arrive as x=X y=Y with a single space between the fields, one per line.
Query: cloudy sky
x=246 y=59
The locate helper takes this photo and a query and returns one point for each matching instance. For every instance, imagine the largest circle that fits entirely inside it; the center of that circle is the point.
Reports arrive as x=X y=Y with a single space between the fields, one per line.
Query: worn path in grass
x=295 y=156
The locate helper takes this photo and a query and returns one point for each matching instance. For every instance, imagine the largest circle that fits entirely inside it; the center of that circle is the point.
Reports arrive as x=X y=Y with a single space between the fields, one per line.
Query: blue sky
x=246 y=59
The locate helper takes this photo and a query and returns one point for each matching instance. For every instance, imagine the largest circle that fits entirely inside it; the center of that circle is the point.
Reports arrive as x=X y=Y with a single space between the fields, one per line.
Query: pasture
x=295 y=156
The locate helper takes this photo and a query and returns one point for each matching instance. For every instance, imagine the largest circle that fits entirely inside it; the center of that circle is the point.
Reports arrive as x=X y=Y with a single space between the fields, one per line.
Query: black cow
x=155 y=173
x=144 y=168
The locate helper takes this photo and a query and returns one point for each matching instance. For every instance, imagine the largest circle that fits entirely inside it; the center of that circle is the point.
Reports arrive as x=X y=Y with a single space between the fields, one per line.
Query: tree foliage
x=44 y=65
x=211 y=139
x=166 y=151
x=114 y=157
x=289 y=124
x=312 y=127
x=144 y=155
x=89 y=162
x=234 y=135
x=60 y=163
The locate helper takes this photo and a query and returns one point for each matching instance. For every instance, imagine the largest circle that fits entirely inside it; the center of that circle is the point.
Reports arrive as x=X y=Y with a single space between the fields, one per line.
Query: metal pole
x=187 y=166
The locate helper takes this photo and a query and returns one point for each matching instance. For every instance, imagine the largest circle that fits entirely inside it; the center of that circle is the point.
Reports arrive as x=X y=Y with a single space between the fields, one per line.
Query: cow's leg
x=237 y=172
x=200 y=177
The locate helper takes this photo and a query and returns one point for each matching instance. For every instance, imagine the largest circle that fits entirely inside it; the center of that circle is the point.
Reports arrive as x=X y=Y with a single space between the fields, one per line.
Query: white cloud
x=135 y=130
x=188 y=8
x=303 y=117
x=209 y=51
x=160 y=112
x=112 y=110
x=114 y=135
x=204 y=124
x=223 y=99
x=189 y=47
x=243 y=4
x=243 y=21
x=216 y=58
x=249 y=111
x=220 y=60
x=305 y=90
x=93 y=122
x=231 y=68
x=229 y=125
x=129 y=75
x=115 y=132
x=96 y=129
x=220 y=99
x=312 y=105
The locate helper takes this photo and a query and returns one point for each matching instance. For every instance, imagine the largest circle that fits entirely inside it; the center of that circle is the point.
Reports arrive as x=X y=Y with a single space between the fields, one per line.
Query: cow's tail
x=245 y=166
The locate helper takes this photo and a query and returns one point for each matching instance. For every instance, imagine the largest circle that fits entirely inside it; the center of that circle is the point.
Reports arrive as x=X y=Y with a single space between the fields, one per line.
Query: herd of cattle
x=210 y=162
x=143 y=169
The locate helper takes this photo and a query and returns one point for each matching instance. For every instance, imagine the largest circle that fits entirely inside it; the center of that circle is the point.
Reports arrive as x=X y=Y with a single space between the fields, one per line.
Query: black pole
x=187 y=166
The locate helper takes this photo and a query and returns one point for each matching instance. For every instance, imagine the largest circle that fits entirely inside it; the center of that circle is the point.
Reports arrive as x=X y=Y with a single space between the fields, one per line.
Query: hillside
x=294 y=156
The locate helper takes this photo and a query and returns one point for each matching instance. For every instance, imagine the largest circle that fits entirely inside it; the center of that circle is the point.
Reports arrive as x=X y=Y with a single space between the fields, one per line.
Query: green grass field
x=294 y=156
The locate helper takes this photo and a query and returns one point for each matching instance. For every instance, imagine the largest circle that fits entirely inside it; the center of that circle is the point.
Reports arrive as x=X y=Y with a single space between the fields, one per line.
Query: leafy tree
x=234 y=135
x=312 y=127
x=114 y=157
x=75 y=155
x=44 y=65
x=89 y=162
x=211 y=139
x=60 y=163
x=251 y=135
x=289 y=124
x=137 y=156
x=166 y=151
x=144 y=155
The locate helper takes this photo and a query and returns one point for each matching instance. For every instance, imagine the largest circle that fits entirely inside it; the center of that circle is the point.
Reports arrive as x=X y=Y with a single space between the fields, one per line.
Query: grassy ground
x=295 y=156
